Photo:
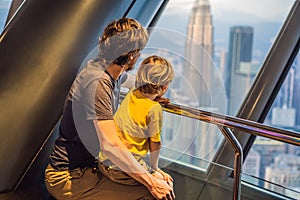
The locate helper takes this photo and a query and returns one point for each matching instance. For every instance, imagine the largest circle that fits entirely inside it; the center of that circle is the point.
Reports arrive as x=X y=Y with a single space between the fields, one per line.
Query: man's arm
x=116 y=151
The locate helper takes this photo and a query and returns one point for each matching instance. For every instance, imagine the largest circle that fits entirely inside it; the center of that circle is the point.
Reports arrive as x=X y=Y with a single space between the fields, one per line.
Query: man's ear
x=131 y=57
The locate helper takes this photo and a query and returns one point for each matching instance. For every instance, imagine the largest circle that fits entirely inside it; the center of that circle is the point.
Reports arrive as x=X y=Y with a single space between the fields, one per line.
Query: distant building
x=199 y=54
x=283 y=117
x=286 y=109
x=196 y=89
x=240 y=83
x=199 y=72
x=268 y=150
x=252 y=166
x=240 y=68
x=296 y=95
x=285 y=171
x=222 y=63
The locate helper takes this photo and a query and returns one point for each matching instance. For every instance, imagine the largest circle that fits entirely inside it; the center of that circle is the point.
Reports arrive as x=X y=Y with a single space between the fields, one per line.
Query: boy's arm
x=154 y=127
x=154 y=148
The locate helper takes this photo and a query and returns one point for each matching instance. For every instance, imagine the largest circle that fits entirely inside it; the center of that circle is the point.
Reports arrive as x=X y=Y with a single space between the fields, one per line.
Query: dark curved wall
x=41 y=50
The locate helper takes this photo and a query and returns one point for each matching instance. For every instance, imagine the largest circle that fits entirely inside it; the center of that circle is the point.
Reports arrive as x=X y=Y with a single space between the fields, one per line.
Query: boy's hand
x=166 y=177
x=162 y=100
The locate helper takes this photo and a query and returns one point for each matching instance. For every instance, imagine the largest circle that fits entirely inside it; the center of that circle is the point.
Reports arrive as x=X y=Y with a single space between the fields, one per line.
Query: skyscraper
x=240 y=69
x=199 y=53
x=201 y=87
x=200 y=28
x=283 y=111
x=198 y=87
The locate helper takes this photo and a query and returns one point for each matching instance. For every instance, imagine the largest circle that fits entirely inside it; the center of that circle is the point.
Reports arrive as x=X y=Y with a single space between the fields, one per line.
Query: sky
x=4 y=7
x=276 y=9
x=228 y=13
x=225 y=13
x=5 y=3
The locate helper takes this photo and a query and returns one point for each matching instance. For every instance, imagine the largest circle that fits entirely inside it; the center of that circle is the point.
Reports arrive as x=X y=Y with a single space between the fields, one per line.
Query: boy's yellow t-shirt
x=138 y=119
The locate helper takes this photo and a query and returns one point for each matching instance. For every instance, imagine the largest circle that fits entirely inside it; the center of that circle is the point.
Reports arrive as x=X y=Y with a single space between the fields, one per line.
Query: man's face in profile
x=132 y=60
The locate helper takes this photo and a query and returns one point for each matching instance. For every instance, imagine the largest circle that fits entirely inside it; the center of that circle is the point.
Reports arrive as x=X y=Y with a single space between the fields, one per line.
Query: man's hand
x=161 y=190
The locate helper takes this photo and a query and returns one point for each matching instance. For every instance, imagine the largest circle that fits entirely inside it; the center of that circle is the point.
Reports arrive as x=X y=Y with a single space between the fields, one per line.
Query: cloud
x=5 y=4
x=267 y=10
x=179 y=6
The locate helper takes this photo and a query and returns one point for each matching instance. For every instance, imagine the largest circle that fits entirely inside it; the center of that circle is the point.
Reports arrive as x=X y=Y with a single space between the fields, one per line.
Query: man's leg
x=74 y=184
x=109 y=190
x=88 y=185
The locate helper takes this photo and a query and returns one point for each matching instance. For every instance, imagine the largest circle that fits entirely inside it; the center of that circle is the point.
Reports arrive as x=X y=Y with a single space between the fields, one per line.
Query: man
x=87 y=124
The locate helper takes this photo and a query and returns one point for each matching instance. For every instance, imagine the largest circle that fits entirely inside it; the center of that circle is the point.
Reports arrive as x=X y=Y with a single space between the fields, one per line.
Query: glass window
x=276 y=163
x=216 y=48
x=4 y=8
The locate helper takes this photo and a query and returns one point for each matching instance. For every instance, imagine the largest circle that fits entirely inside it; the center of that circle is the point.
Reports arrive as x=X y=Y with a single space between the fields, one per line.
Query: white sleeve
x=129 y=81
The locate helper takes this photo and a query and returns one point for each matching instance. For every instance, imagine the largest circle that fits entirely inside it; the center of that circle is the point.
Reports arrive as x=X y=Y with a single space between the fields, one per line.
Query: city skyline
x=176 y=18
x=243 y=74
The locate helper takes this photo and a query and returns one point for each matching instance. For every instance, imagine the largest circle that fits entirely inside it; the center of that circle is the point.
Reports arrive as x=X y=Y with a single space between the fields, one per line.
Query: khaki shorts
x=89 y=184
x=116 y=175
x=111 y=171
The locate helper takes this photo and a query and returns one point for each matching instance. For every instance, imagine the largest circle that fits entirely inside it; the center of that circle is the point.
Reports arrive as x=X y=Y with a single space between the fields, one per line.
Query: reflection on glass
x=188 y=190
x=216 y=47
x=280 y=189
x=193 y=87
x=273 y=161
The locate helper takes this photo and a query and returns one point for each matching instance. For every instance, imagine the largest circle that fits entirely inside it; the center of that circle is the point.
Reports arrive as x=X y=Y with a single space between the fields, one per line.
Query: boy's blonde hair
x=154 y=73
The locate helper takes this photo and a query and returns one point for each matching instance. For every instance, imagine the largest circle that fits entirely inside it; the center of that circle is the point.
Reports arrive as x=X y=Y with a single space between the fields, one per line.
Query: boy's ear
x=164 y=87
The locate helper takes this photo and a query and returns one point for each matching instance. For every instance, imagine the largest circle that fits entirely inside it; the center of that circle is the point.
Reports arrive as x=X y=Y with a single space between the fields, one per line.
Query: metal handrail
x=224 y=123
x=238 y=160
x=251 y=127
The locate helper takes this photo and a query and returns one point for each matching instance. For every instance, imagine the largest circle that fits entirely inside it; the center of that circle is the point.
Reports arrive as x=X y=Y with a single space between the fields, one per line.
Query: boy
x=139 y=120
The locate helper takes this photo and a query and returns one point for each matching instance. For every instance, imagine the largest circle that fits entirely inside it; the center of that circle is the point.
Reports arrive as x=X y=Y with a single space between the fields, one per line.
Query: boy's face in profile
x=159 y=97
x=164 y=90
